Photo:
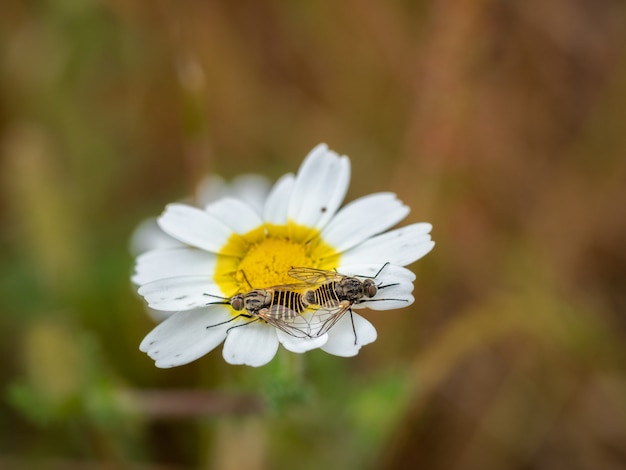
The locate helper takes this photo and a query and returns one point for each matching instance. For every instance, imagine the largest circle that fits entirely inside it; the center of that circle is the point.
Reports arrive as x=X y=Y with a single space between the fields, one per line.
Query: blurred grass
x=500 y=123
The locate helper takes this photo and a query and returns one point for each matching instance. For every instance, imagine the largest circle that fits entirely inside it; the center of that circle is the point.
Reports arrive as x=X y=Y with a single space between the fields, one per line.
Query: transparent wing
x=324 y=318
x=286 y=320
x=295 y=287
x=311 y=324
x=315 y=276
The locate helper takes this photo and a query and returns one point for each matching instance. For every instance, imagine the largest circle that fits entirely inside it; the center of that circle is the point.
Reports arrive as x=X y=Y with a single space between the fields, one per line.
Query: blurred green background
x=502 y=123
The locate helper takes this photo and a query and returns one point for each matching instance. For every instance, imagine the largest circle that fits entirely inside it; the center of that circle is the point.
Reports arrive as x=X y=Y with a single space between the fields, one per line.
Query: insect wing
x=286 y=320
x=324 y=318
x=315 y=276
x=297 y=287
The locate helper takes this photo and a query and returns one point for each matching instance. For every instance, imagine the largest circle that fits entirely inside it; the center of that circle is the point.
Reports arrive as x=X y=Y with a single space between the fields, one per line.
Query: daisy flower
x=229 y=247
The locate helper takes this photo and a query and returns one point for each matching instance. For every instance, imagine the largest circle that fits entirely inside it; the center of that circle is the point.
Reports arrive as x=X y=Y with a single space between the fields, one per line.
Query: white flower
x=229 y=247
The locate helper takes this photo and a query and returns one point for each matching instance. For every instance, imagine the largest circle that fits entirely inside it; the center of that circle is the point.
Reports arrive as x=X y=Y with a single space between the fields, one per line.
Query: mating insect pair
x=310 y=308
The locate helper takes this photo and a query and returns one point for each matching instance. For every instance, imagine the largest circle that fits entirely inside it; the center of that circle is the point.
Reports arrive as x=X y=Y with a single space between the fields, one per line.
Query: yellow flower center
x=262 y=257
x=268 y=262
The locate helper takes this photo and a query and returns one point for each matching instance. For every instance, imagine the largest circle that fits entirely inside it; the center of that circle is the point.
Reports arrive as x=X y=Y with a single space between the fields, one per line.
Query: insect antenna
x=388 y=285
x=224 y=300
x=360 y=301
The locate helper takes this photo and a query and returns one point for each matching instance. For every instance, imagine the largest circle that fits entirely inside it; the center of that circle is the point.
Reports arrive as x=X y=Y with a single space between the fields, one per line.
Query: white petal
x=300 y=345
x=276 y=205
x=395 y=285
x=320 y=187
x=384 y=273
x=251 y=189
x=186 y=336
x=362 y=219
x=237 y=215
x=180 y=293
x=173 y=262
x=252 y=345
x=148 y=236
x=194 y=227
x=400 y=247
x=341 y=337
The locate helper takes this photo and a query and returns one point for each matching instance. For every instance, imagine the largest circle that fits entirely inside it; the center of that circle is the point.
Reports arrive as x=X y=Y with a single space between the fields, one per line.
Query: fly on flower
x=300 y=222
x=280 y=307
x=333 y=294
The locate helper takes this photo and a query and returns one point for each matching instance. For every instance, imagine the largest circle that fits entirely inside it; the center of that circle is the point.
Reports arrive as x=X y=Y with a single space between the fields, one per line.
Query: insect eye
x=237 y=303
x=371 y=290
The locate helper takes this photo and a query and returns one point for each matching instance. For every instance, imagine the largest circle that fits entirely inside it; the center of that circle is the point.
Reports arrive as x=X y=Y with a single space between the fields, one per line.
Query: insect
x=279 y=306
x=332 y=294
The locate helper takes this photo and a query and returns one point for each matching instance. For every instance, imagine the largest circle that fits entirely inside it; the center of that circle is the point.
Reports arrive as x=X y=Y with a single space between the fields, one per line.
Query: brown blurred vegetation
x=502 y=123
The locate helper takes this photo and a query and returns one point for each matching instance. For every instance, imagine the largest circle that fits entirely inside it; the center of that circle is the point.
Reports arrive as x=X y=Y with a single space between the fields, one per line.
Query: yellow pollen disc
x=263 y=257
x=268 y=262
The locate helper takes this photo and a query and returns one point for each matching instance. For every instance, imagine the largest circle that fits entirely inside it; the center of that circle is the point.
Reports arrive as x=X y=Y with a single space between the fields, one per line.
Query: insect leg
x=228 y=321
x=243 y=324
x=246 y=278
x=381 y=269
x=353 y=327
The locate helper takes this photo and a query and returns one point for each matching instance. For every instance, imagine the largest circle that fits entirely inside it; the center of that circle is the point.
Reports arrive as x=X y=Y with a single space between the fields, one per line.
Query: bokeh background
x=502 y=123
